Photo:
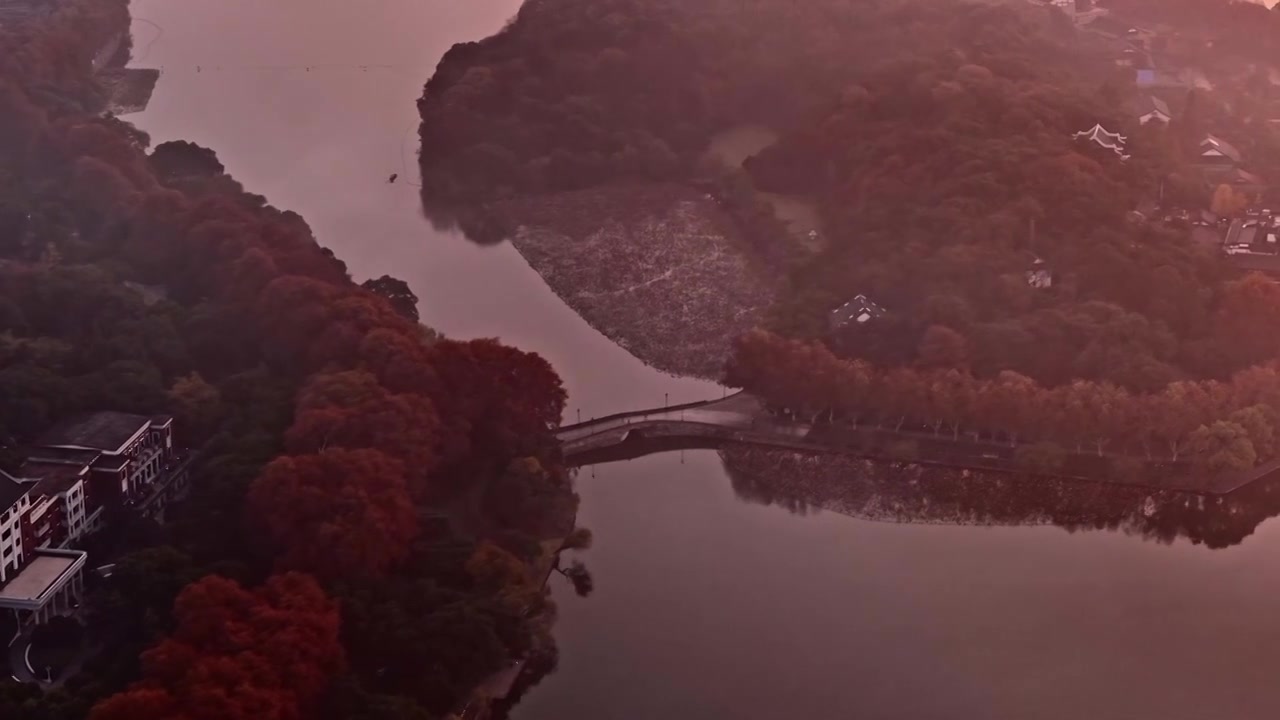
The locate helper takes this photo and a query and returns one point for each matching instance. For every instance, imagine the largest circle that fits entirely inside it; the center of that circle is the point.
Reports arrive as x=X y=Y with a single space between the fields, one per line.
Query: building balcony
x=150 y=499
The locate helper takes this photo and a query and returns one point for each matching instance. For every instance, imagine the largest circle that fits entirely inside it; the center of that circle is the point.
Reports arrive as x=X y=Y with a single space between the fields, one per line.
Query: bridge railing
x=643 y=413
x=696 y=428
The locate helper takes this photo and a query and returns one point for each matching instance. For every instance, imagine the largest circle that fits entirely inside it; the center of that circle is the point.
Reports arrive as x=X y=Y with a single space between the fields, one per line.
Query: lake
x=707 y=605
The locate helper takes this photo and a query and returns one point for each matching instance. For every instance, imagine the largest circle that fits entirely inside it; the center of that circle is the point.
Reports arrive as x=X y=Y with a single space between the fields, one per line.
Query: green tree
x=1223 y=446
x=1259 y=422
x=197 y=404
x=396 y=292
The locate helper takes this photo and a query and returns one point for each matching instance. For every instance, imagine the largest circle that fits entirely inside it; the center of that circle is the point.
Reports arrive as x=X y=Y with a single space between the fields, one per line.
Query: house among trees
x=1109 y=141
x=60 y=493
x=1216 y=151
x=1039 y=276
x=857 y=311
x=1256 y=235
x=1153 y=109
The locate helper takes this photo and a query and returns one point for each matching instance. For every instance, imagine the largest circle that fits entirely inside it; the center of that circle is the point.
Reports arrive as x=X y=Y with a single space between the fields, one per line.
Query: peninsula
x=1023 y=235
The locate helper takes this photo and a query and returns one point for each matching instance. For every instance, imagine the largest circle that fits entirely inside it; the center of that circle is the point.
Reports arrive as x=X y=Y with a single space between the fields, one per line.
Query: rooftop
x=55 y=484
x=105 y=431
x=43 y=575
x=10 y=491
x=858 y=310
x=1156 y=104
x=1101 y=137
x=1220 y=146
x=62 y=456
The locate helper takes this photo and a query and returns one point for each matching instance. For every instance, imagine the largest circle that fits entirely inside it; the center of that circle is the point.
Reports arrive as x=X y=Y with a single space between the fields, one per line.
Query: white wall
x=11 y=549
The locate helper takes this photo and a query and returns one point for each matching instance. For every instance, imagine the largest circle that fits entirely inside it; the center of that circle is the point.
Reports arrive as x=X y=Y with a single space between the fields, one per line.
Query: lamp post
x=665 y=399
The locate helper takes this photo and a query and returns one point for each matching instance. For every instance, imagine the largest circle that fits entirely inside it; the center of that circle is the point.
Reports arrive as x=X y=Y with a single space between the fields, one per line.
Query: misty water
x=707 y=605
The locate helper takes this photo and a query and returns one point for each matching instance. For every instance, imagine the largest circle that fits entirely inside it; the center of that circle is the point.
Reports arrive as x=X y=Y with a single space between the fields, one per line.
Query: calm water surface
x=707 y=606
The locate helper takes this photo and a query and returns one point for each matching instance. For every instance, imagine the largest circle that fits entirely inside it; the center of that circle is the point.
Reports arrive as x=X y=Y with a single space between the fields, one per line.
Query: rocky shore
x=655 y=268
x=129 y=90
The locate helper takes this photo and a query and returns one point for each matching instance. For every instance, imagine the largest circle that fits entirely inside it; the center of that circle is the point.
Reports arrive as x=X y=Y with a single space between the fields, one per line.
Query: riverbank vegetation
x=357 y=543
x=1216 y=427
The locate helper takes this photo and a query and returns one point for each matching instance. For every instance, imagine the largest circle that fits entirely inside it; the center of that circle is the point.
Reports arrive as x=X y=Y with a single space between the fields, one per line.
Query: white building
x=13 y=498
x=60 y=493
x=35 y=583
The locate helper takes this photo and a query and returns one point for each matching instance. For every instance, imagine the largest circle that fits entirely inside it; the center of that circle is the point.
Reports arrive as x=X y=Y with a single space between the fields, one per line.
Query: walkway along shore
x=742 y=418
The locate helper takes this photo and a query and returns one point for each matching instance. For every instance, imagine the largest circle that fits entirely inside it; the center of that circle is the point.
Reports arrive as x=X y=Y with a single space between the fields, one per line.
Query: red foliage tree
x=268 y=654
x=351 y=410
x=506 y=396
x=340 y=513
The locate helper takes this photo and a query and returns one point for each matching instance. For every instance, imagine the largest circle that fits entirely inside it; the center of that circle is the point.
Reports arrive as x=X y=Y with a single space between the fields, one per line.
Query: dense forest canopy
x=572 y=94
x=356 y=543
x=937 y=140
x=940 y=143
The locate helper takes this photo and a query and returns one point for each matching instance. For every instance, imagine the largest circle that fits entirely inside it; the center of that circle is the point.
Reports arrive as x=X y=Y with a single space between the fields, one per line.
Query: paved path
x=735 y=411
x=742 y=418
x=18 y=648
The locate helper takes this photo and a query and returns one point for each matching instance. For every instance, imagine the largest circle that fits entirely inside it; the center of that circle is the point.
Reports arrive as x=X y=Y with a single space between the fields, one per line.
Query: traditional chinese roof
x=858 y=310
x=1218 y=146
x=1151 y=104
x=1099 y=136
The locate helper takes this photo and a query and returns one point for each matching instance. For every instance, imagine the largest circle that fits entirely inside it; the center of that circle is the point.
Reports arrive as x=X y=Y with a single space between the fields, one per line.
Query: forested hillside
x=942 y=184
x=369 y=499
x=938 y=142
x=936 y=139
x=573 y=94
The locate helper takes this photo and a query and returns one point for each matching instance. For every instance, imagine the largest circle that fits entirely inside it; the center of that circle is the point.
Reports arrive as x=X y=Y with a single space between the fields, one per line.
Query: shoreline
x=657 y=269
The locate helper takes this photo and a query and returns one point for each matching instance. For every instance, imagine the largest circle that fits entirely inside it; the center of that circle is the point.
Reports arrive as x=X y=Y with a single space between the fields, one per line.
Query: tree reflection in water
x=901 y=492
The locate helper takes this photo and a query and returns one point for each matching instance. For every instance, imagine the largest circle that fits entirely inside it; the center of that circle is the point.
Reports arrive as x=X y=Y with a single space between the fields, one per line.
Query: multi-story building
x=35 y=582
x=75 y=472
x=13 y=498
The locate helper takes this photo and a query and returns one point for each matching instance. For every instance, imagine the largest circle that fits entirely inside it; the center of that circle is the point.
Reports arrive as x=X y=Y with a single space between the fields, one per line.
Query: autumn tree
x=351 y=409
x=339 y=513
x=1228 y=202
x=235 y=654
x=508 y=399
